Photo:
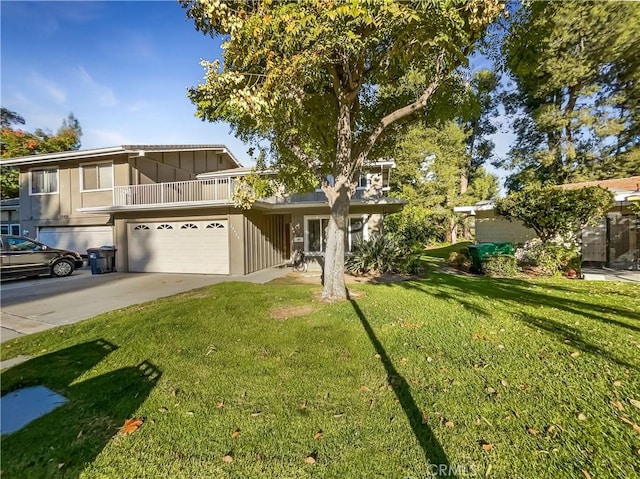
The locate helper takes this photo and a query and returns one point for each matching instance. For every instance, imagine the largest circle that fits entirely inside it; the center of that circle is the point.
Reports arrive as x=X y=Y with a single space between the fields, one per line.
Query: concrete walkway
x=30 y=306
x=604 y=274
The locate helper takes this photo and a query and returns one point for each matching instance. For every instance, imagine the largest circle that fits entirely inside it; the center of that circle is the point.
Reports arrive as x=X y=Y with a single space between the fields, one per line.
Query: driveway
x=30 y=306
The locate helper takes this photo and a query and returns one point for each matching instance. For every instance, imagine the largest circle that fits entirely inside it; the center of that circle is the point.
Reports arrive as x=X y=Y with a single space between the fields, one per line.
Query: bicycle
x=299 y=261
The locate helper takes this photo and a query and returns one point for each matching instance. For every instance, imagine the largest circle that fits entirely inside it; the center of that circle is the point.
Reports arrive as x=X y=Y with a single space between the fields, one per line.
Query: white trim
x=52 y=167
x=307 y=218
x=81 y=174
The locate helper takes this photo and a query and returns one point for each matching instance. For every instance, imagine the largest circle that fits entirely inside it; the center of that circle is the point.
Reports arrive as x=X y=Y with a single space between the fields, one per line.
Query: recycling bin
x=102 y=260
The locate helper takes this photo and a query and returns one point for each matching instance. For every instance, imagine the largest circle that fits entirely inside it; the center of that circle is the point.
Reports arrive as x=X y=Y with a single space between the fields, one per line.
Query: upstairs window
x=96 y=176
x=43 y=181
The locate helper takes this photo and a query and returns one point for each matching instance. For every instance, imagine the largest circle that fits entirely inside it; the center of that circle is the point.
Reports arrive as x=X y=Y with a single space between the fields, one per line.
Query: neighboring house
x=614 y=242
x=10 y=211
x=169 y=209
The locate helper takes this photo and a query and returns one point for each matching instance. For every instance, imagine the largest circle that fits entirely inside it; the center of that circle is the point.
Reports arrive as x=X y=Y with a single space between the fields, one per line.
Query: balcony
x=209 y=191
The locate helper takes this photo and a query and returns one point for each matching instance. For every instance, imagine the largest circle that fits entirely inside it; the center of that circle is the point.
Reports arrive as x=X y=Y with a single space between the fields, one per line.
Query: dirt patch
x=291 y=312
x=313 y=277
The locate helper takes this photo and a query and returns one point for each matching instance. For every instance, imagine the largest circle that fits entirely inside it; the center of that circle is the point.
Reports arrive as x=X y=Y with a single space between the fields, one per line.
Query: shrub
x=380 y=254
x=551 y=257
x=499 y=265
x=460 y=259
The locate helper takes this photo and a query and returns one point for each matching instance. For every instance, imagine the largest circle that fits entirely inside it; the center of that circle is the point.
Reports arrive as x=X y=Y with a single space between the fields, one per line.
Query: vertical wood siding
x=264 y=241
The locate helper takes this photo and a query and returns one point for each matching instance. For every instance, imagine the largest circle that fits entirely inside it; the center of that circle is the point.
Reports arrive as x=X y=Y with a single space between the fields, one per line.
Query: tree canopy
x=324 y=81
x=577 y=105
x=553 y=212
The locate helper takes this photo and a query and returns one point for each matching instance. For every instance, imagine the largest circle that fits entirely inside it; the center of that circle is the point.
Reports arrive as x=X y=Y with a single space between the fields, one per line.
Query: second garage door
x=200 y=247
x=76 y=238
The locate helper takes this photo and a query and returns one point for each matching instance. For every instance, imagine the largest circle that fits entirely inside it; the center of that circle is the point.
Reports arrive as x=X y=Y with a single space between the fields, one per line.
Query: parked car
x=22 y=256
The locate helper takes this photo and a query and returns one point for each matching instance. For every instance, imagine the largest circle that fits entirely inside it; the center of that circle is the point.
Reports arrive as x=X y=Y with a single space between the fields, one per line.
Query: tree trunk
x=453 y=230
x=334 y=287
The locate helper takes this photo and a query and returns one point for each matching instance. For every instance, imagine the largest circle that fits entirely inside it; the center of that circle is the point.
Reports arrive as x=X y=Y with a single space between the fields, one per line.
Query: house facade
x=10 y=217
x=169 y=208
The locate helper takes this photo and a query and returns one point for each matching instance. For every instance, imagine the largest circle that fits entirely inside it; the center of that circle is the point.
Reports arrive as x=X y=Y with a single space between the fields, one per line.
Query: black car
x=25 y=257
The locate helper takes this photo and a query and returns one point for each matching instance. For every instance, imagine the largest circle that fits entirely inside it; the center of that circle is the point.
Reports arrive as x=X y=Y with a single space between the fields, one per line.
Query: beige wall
x=491 y=228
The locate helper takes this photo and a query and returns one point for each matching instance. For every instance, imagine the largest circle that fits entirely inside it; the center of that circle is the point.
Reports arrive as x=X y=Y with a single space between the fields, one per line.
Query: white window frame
x=365 y=230
x=31 y=170
x=95 y=163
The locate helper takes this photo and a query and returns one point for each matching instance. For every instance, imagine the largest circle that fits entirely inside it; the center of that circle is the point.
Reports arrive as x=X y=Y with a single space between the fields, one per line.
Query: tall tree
x=323 y=81
x=577 y=105
x=15 y=142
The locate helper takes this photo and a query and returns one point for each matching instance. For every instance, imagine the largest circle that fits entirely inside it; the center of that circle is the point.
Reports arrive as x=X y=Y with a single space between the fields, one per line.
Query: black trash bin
x=102 y=260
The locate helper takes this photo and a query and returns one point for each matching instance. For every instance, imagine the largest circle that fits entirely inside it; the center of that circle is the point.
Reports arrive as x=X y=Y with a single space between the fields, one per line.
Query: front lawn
x=469 y=377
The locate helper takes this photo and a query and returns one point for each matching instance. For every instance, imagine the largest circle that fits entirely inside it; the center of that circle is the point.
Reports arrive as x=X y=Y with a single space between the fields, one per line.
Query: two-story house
x=169 y=208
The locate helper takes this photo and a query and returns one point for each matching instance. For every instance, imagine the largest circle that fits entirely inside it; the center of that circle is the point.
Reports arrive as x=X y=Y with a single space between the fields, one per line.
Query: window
x=4 y=229
x=140 y=227
x=189 y=226
x=316 y=233
x=363 y=182
x=215 y=225
x=43 y=181
x=164 y=227
x=97 y=176
x=20 y=244
x=15 y=230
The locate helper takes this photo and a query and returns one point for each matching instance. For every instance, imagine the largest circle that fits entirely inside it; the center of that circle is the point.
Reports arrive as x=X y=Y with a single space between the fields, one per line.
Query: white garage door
x=76 y=238
x=200 y=247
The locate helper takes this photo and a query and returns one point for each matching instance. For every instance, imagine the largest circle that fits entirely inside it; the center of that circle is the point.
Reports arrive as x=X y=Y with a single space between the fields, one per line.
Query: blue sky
x=121 y=67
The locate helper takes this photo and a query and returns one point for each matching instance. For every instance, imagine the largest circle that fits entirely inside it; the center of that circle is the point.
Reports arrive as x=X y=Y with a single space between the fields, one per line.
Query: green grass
x=403 y=376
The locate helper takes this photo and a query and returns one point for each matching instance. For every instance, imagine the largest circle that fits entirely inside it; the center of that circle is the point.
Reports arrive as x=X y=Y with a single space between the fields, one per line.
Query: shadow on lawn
x=67 y=439
x=514 y=293
x=435 y=456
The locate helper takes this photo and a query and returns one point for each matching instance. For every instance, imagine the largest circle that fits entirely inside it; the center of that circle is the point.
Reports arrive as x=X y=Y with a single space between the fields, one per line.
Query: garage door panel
x=179 y=247
x=76 y=238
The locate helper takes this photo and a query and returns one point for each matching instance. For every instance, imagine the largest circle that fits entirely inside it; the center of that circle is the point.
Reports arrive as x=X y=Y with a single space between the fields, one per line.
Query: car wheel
x=63 y=267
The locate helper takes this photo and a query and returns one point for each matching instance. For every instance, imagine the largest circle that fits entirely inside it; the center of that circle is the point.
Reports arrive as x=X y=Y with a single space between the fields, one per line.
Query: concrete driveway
x=29 y=306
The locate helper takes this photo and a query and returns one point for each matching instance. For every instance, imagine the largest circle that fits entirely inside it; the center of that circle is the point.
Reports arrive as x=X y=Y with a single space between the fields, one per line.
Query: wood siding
x=264 y=241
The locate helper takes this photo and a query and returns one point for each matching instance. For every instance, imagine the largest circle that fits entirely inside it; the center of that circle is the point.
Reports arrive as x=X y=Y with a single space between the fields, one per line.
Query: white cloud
x=50 y=88
x=102 y=94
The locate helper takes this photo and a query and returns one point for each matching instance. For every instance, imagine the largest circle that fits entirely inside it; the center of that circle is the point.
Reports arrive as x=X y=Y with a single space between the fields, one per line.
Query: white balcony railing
x=217 y=190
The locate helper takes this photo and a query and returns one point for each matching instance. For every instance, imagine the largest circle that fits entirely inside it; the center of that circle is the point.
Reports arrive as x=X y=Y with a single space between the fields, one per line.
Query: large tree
x=323 y=80
x=15 y=142
x=577 y=106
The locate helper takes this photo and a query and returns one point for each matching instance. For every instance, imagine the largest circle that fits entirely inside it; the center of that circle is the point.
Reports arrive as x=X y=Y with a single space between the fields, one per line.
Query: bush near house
x=502 y=265
x=548 y=258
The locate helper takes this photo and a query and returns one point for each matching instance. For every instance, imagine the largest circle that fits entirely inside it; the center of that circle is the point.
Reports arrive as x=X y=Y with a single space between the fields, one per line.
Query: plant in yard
x=460 y=259
x=502 y=265
x=322 y=83
x=379 y=254
x=549 y=258
x=556 y=213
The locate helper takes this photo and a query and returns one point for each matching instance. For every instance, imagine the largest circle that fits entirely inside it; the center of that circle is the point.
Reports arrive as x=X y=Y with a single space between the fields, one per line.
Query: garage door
x=76 y=238
x=200 y=247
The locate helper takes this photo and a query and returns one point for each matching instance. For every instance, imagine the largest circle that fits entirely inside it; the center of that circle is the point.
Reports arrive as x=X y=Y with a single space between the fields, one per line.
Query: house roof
x=114 y=150
x=631 y=183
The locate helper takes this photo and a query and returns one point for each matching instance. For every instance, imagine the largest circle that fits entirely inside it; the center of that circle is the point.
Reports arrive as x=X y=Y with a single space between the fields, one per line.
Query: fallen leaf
x=449 y=424
x=228 y=458
x=132 y=425
x=635 y=403
x=318 y=435
x=302 y=406
x=340 y=414
x=487 y=446
x=61 y=465
x=575 y=354
x=163 y=409
x=618 y=405
x=310 y=460
x=532 y=431
x=504 y=383
x=425 y=418
x=364 y=388
x=189 y=413
x=429 y=359
x=256 y=413
x=79 y=435
x=582 y=417
x=516 y=414
x=377 y=356
x=635 y=427
x=490 y=390
x=174 y=392
x=586 y=474
x=617 y=383
x=235 y=433
x=220 y=404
